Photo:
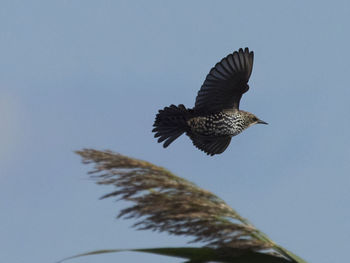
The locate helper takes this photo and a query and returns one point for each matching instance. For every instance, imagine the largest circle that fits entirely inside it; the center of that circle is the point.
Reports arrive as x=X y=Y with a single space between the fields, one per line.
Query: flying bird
x=216 y=116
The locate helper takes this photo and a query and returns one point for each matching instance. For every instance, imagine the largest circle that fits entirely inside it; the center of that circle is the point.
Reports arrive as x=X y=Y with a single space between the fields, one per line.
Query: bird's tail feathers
x=170 y=123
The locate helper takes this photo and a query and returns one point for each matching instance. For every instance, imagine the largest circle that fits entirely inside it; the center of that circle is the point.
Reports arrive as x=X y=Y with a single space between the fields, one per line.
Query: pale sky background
x=83 y=73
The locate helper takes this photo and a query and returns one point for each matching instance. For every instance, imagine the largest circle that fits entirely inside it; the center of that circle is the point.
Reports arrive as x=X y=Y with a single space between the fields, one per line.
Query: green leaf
x=200 y=254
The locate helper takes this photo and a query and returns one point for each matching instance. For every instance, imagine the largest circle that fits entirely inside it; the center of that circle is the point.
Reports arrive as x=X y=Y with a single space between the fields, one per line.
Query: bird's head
x=251 y=119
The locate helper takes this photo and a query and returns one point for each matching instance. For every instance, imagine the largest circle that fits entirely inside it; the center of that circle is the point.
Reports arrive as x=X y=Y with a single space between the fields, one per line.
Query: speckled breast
x=217 y=124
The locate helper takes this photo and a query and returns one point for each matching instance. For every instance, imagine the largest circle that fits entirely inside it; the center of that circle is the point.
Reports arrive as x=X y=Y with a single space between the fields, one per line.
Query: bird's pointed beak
x=262 y=122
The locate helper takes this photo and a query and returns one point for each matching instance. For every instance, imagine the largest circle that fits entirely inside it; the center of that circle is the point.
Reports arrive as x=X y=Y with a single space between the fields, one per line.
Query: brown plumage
x=216 y=117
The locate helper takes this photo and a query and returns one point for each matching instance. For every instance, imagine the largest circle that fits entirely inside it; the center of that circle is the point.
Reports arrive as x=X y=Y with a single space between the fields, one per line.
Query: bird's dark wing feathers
x=226 y=82
x=210 y=145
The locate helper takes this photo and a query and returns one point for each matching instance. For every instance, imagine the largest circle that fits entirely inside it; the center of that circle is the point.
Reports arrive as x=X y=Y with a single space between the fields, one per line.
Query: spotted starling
x=215 y=117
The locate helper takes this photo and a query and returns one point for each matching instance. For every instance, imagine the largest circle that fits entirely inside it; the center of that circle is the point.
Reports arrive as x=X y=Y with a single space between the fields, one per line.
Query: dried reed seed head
x=165 y=202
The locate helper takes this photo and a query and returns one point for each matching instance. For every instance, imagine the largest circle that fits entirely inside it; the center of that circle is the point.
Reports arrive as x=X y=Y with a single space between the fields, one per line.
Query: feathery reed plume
x=166 y=202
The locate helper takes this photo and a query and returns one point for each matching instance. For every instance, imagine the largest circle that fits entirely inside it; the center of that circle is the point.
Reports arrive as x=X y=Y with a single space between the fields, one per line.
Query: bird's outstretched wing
x=226 y=82
x=210 y=145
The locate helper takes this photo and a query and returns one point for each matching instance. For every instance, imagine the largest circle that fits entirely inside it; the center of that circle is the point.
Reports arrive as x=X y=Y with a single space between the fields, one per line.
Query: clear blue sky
x=80 y=73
